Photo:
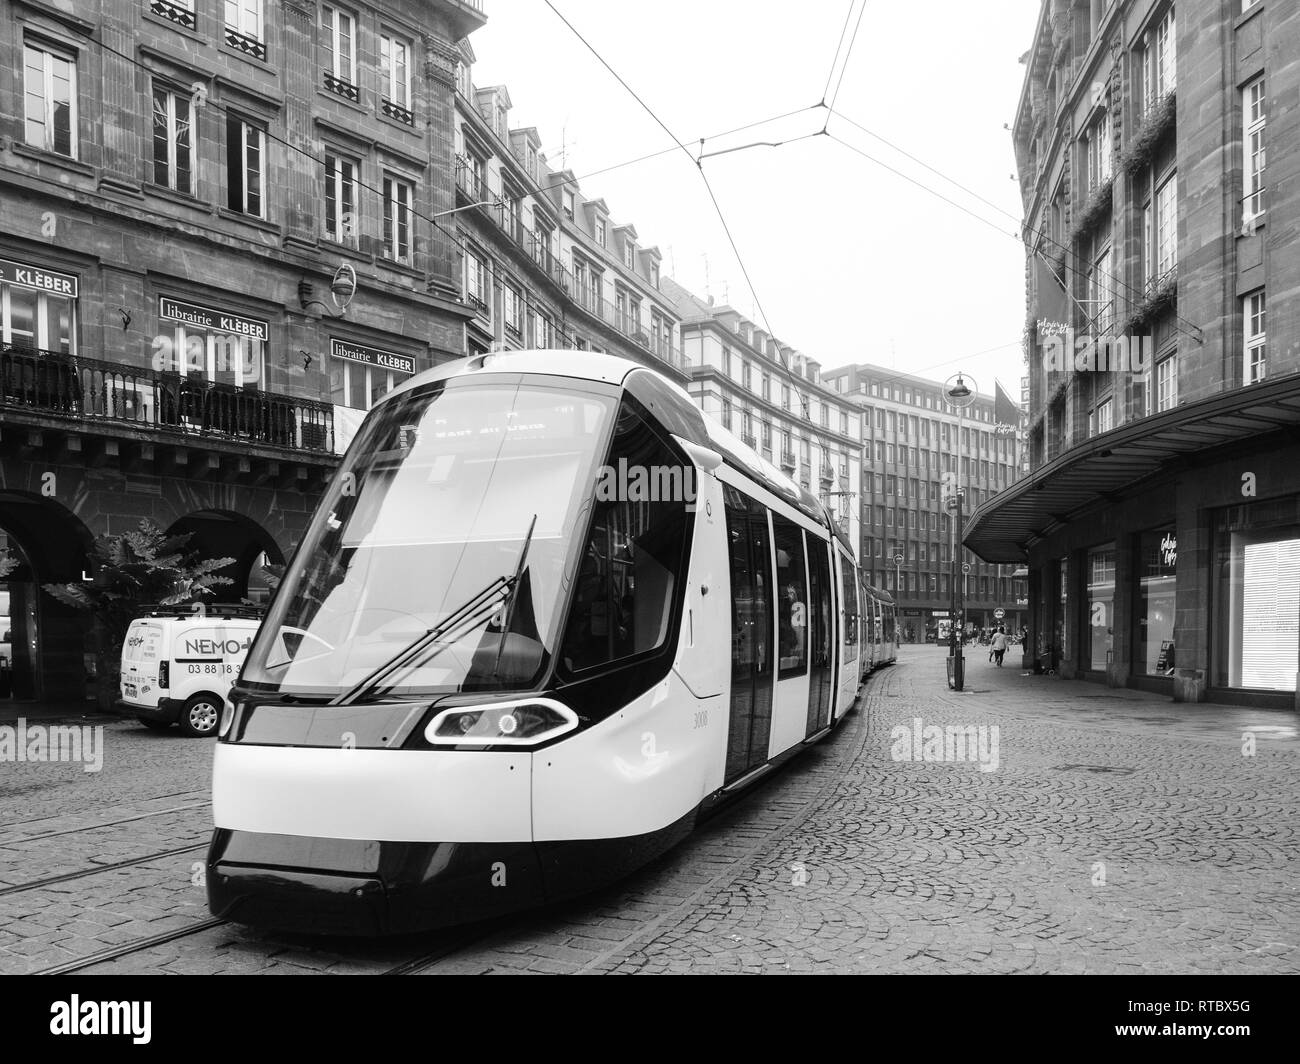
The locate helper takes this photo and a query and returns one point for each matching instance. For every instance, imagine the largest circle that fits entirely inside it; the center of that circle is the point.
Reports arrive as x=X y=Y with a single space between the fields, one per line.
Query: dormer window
x=601 y=235
x=569 y=200
x=629 y=254
x=654 y=274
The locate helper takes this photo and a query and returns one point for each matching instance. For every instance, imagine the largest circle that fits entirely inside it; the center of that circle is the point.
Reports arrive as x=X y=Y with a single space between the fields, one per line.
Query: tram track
x=50 y=881
x=102 y=824
x=127 y=948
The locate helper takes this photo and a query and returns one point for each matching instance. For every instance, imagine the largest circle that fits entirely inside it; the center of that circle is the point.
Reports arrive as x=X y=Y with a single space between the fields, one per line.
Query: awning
x=1114 y=463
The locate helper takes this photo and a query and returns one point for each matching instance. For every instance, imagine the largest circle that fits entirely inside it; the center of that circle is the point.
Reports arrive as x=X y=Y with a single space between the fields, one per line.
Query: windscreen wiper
x=410 y=653
x=512 y=596
x=461 y=617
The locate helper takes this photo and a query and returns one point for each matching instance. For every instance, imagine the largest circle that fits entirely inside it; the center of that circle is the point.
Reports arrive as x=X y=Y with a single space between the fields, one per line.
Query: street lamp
x=960 y=395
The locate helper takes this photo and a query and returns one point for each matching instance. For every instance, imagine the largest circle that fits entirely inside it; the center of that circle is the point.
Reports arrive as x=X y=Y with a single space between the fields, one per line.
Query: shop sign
x=21 y=273
x=1169 y=549
x=211 y=318
x=371 y=356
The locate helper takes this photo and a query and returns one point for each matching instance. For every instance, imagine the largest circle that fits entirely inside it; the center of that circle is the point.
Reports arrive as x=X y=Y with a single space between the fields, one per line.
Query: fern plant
x=133 y=570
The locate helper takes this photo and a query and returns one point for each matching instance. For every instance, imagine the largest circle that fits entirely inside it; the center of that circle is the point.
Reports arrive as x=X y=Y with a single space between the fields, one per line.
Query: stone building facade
x=1161 y=517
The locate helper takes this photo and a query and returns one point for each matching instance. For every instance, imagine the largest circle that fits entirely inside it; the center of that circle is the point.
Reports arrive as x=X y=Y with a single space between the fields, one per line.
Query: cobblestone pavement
x=1119 y=833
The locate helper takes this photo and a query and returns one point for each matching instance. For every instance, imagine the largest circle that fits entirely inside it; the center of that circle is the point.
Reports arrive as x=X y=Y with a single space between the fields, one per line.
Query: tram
x=545 y=616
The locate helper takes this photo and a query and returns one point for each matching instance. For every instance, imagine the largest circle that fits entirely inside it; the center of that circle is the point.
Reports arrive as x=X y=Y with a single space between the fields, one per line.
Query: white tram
x=546 y=615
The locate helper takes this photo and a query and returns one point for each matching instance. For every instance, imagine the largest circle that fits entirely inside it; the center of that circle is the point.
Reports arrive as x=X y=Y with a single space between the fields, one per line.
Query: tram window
x=627 y=573
x=792 y=598
x=847 y=590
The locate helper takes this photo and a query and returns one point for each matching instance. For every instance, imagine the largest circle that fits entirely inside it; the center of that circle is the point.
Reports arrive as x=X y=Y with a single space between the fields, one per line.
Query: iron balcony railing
x=87 y=389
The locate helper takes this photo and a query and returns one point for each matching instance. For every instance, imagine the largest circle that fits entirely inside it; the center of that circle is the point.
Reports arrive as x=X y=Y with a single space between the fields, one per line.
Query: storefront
x=1178 y=570
x=210 y=344
x=38 y=307
x=359 y=375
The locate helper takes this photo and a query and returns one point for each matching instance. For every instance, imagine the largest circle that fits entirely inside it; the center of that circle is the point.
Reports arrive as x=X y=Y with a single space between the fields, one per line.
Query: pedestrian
x=999 y=645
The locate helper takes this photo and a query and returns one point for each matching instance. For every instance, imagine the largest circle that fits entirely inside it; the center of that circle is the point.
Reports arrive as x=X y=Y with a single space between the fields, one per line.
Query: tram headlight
x=522 y=722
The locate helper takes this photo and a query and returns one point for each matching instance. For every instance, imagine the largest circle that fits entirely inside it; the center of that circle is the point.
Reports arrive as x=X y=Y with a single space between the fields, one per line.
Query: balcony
x=747 y=438
x=242 y=42
x=173 y=13
x=341 y=87
x=89 y=391
x=397 y=112
x=828 y=474
x=787 y=460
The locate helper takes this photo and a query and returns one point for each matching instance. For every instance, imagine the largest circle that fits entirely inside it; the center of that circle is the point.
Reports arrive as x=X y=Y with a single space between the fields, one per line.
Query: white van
x=178 y=665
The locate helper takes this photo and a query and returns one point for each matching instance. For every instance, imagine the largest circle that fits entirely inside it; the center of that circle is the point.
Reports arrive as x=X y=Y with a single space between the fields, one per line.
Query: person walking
x=999 y=646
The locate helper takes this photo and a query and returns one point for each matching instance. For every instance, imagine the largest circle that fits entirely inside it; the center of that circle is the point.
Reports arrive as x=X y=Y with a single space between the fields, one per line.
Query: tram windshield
x=405 y=579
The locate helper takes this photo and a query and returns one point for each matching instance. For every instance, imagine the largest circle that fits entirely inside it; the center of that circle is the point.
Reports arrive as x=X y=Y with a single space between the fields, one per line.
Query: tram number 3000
x=701 y=718
x=211 y=669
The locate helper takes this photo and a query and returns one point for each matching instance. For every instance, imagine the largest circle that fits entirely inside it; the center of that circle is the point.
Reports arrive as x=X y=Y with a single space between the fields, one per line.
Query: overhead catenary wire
x=830 y=107
x=699 y=165
x=836 y=57
x=1022 y=225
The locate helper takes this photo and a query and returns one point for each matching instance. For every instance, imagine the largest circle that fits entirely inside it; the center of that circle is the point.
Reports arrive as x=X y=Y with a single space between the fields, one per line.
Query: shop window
x=1157 y=560
x=1257 y=619
x=209 y=345
x=1101 y=606
x=33 y=318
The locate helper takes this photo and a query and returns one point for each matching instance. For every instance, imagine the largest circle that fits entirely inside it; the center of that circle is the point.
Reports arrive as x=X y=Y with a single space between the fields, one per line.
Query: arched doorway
x=224 y=534
x=42 y=641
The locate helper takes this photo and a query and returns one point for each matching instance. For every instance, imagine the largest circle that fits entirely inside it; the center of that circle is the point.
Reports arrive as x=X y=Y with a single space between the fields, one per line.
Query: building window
x=338 y=37
x=747 y=376
x=1167 y=383
x=1101 y=603
x=1252 y=138
x=398 y=198
x=726 y=414
x=395 y=69
x=50 y=87
x=600 y=231
x=512 y=309
x=654 y=274
x=244 y=29
x=767 y=388
x=172 y=164
x=245 y=151
x=1256 y=357
x=726 y=361
x=1159 y=62
x=1256 y=642
x=569 y=202
x=629 y=254
x=478 y=283
x=341 y=198
x=1099 y=151
x=1167 y=225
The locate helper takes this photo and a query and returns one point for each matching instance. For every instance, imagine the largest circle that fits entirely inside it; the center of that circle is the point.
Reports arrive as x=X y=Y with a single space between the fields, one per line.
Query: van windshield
x=433 y=503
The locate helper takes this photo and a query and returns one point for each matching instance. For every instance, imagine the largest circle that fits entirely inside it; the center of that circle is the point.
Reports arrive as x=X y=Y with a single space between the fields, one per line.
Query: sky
x=848 y=261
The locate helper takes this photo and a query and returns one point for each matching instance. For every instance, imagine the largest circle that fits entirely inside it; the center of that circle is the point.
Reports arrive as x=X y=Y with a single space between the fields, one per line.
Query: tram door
x=821 y=636
x=750 y=560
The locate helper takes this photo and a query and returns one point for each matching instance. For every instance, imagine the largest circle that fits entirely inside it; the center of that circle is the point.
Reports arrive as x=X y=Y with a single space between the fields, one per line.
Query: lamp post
x=960 y=395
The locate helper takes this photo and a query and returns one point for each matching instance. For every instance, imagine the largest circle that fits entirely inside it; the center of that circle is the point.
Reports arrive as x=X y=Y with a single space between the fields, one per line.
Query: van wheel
x=201 y=715
x=154 y=725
